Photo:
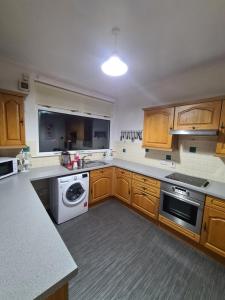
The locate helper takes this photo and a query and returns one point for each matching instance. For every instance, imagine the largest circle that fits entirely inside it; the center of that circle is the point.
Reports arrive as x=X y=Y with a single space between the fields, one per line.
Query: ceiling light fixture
x=114 y=66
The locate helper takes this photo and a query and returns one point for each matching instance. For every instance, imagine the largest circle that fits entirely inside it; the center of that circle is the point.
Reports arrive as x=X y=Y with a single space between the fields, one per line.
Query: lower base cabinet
x=122 y=185
x=145 y=195
x=145 y=202
x=100 y=184
x=60 y=294
x=213 y=226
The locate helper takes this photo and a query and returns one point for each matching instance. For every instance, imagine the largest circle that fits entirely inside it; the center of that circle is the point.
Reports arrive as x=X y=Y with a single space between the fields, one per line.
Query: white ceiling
x=175 y=49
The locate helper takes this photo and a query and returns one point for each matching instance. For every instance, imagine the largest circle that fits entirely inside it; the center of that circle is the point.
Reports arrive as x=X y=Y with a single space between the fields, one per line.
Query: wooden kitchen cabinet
x=145 y=195
x=100 y=184
x=145 y=202
x=60 y=294
x=213 y=226
x=157 y=125
x=12 y=131
x=198 y=116
x=122 y=185
x=220 y=147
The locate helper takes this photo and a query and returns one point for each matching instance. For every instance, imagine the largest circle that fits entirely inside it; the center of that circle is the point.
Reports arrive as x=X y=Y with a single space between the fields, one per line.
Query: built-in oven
x=182 y=206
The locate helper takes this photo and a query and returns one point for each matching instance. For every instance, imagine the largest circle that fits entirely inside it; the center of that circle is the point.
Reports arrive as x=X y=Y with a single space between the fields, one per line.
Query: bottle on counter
x=24 y=160
x=108 y=155
x=78 y=161
x=27 y=158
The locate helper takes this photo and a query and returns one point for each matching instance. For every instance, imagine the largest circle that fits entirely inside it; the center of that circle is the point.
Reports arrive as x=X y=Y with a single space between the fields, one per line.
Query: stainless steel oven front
x=182 y=206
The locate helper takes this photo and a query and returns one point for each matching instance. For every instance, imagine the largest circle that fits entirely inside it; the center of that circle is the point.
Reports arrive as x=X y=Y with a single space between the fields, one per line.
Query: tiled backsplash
x=55 y=160
x=203 y=163
x=43 y=161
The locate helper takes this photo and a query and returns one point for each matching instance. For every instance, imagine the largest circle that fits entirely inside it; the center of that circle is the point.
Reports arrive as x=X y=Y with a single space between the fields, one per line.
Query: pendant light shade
x=114 y=66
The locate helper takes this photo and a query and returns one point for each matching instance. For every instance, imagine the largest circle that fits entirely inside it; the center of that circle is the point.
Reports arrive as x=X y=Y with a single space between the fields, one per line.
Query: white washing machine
x=69 y=196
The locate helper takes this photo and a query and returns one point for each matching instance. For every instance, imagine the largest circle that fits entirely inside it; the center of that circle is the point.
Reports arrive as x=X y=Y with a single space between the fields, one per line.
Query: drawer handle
x=144 y=188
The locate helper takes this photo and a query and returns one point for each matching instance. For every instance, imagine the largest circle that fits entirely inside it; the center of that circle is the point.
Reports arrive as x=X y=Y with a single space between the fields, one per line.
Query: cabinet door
x=213 y=230
x=11 y=120
x=100 y=188
x=146 y=203
x=123 y=188
x=198 y=116
x=220 y=147
x=157 y=124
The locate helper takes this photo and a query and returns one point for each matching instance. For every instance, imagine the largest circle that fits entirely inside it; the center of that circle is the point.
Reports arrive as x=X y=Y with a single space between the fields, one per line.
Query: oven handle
x=184 y=200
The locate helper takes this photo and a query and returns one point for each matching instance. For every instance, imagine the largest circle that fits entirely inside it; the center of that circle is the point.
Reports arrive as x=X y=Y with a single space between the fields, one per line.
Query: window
x=60 y=131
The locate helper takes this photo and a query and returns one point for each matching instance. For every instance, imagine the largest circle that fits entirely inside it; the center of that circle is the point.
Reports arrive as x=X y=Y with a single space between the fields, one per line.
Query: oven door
x=181 y=210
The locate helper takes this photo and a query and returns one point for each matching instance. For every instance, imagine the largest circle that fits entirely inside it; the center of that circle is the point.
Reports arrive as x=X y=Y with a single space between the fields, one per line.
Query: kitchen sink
x=94 y=163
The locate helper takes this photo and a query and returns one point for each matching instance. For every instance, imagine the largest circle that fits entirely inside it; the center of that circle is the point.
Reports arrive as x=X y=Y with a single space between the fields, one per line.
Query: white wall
x=9 y=75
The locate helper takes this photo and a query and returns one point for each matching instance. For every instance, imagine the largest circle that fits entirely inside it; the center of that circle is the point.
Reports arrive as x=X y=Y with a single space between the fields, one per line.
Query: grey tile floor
x=121 y=255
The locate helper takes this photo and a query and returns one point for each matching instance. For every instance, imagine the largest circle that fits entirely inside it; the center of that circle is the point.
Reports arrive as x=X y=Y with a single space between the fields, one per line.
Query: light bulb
x=114 y=66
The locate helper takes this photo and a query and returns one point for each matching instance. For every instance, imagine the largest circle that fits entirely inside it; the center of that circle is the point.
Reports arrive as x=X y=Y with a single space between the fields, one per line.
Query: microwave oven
x=8 y=166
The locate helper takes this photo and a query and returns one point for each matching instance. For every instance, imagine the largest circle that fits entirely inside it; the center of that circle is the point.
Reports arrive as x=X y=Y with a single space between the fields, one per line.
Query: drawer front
x=145 y=187
x=147 y=180
x=145 y=202
x=122 y=172
x=215 y=202
x=107 y=172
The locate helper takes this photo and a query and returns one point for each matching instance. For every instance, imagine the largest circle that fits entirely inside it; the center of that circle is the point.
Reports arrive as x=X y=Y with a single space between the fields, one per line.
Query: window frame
x=75 y=113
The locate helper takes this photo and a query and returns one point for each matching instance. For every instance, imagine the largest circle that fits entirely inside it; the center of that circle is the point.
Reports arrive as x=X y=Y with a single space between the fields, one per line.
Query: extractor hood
x=195 y=132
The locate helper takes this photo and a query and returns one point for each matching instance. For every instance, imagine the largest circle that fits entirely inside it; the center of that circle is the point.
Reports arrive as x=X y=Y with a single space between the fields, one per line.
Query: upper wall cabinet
x=198 y=116
x=11 y=120
x=220 y=148
x=157 y=124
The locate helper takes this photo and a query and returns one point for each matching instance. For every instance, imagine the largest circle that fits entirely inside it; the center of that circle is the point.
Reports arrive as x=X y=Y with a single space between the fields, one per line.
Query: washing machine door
x=74 y=194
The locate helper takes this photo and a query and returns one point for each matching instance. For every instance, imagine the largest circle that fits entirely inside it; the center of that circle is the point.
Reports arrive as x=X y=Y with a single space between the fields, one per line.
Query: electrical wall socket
x=168 y=163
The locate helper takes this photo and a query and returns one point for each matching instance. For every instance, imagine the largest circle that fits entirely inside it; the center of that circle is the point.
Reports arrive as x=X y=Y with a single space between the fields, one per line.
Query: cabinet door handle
x=222 y=126
x=21 y=122
x=129 y=191
x=91 y=191
x=193 y=127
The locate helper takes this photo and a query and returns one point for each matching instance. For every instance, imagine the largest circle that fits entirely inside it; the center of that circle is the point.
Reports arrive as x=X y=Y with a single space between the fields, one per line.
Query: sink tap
x=83 y=160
